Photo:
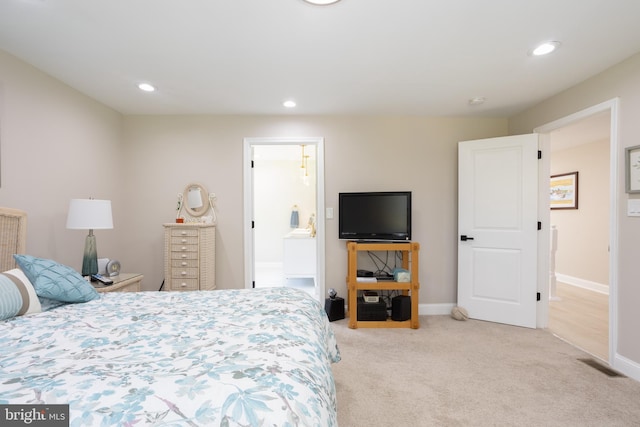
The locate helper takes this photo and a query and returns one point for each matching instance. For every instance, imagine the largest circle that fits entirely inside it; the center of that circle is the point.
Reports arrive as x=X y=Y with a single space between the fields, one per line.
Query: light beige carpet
x=473 y=373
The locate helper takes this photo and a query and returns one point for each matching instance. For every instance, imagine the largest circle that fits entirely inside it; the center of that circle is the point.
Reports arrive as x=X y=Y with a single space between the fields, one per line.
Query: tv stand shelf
x=409 y=262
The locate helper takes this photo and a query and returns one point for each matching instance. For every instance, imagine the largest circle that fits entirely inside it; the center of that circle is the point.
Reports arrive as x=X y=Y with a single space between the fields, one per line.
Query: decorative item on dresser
x=189 y=256
x=195 y=207
x=123 y=282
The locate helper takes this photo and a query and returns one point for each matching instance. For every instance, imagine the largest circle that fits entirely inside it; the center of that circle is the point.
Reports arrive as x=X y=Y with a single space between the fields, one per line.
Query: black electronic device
x=382 y=276
x=401 y=308
x=334 y=308
x=101 y=279
x=364 y=273
x=371 y=311
x=375 y=216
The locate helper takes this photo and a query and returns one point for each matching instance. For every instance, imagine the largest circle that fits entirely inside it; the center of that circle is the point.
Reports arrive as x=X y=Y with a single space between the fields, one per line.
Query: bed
x=228 y=357
x=250 y=357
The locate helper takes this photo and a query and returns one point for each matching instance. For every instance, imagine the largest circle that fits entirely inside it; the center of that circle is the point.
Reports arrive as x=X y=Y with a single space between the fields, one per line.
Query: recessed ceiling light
x=545 y=48
x=146 y=87
x=477 y=100
x=322 y=2
x=289 y=104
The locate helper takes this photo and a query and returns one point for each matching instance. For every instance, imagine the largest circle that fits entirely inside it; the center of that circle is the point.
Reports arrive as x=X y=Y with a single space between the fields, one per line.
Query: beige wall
x=56 y=144
x=623 y=81
x=361 y=153
x=583 y=233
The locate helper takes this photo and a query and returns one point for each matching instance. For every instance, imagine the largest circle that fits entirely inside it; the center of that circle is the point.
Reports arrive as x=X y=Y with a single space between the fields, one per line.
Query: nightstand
x=121 y=283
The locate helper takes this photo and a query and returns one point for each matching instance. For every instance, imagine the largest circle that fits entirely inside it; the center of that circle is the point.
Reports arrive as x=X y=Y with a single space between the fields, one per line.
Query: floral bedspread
x=211 y=358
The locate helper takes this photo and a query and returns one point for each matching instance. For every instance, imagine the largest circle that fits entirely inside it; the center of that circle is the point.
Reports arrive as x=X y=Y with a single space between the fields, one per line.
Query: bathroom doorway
x=284 y=196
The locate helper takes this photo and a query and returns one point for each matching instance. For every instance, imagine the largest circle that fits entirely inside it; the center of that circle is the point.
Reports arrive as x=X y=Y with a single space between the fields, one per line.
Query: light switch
x=633 y=207
x=329 y=213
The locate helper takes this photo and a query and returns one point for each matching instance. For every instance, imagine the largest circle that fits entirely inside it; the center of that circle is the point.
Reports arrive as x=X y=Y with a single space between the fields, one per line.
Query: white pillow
x=30 y=302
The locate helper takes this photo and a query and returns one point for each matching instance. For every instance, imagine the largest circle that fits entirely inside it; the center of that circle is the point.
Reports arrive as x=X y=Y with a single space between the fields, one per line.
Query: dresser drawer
x=183 y=285
x=184 y=248
x=186 y=273
x=184 y=255
x=184 y=240
x=184 y=263
x=131 y=288
x=175 y=232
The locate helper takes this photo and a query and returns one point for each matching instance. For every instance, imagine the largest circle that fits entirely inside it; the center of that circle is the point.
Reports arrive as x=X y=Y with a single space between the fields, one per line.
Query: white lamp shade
x=89 y=214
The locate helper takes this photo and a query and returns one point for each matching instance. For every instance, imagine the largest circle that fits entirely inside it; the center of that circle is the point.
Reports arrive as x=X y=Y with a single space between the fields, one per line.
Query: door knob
x=464 y=238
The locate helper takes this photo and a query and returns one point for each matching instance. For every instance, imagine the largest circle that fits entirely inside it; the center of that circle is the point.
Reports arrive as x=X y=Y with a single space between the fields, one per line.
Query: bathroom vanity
x=299 y=254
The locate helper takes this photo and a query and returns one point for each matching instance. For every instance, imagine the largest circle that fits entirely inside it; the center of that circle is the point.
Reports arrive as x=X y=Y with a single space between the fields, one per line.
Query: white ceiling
x=416 y=57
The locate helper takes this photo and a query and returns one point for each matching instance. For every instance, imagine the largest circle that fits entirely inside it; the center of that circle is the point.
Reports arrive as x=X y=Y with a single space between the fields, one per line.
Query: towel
x=294 y=219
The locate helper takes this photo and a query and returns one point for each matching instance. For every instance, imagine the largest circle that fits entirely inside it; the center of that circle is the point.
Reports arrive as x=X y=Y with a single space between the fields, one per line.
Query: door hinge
x=538 y=296
x=253 y=224
x=251 y=164
x=539 y=225
x=539 y=154
x=253 y=284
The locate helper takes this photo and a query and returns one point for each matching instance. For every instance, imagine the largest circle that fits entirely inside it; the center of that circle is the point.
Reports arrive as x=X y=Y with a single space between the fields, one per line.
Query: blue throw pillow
x=30 y=301
x=10 y=298
x=56 y=281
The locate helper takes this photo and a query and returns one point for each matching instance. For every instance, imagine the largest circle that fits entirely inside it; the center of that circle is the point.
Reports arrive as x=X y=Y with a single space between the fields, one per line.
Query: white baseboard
x=626 y=366
x=582 y=283
x=435 y=309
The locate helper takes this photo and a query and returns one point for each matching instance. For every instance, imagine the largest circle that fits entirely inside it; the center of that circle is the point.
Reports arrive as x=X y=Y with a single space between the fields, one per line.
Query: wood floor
x=581 y=317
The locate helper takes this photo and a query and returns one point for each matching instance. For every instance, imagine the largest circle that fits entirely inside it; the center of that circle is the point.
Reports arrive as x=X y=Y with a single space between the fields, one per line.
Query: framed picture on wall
x=563 y=191
x=632 y=169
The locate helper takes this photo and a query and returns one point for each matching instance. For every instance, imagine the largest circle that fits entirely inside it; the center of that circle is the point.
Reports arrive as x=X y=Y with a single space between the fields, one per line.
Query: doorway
x=583 y=311
x=284 y=205
x=578 y=306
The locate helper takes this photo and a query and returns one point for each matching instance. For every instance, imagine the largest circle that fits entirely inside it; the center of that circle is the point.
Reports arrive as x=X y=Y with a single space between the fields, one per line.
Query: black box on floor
x=371 y=310
x=401 y=308
x=334 y=308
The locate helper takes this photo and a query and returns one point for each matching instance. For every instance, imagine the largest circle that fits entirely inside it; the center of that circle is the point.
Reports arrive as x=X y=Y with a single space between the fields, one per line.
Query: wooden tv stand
x=409 y=262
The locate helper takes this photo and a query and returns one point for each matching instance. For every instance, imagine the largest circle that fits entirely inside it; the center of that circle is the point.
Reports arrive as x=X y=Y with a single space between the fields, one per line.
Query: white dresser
x=189 y=257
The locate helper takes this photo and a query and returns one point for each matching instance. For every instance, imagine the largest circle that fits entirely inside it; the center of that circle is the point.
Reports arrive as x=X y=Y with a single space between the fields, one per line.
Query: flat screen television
x=375 y=216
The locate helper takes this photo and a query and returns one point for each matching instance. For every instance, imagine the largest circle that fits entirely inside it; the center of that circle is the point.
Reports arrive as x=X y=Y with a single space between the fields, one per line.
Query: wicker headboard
x=13 y=236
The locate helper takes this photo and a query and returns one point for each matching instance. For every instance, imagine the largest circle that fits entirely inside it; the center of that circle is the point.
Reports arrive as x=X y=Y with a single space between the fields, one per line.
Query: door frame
x=612 y=106
x=248 y=189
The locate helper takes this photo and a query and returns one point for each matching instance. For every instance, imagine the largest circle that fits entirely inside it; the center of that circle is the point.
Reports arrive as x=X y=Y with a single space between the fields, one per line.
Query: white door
x=497 y=229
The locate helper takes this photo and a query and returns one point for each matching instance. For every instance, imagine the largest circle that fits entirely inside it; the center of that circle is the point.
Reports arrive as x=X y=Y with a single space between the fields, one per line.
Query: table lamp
x=89 y=214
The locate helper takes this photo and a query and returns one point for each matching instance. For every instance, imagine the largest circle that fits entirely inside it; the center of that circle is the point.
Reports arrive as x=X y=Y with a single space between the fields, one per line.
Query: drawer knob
x=184 y=233
x=184 y=285
x=184 y=240
x=184 y=273
x=184 y=256
x=184 y=264
x=184 y=248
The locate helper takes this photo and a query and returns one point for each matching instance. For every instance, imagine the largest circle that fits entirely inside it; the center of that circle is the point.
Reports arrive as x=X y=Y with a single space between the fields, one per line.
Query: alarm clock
x=113 y=268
